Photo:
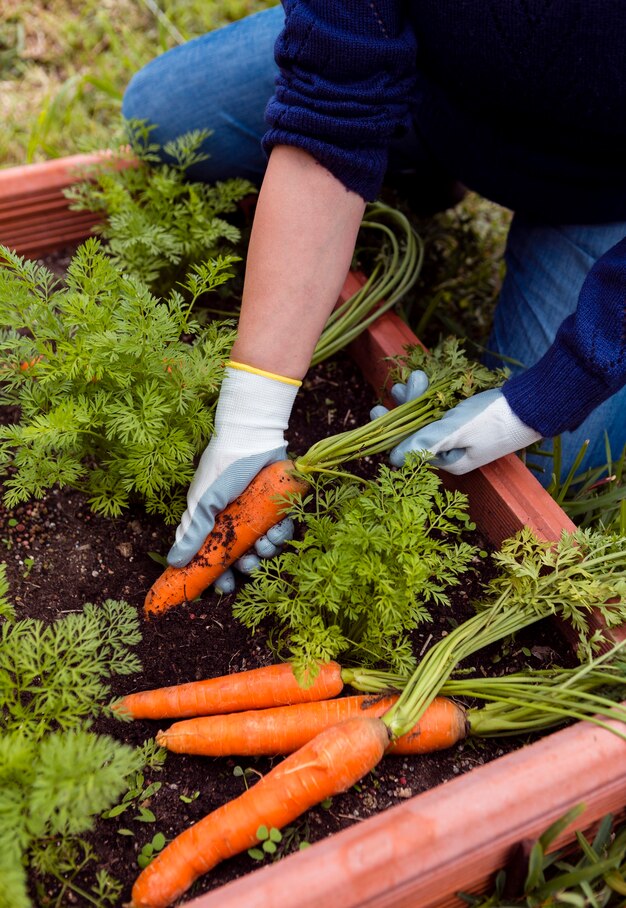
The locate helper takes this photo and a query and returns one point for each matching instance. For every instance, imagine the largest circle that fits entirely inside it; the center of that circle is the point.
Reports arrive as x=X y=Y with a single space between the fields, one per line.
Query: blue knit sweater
x=523 y=101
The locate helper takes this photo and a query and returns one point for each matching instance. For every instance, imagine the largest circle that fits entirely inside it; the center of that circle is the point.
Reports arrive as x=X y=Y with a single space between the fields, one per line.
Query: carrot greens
x=164 y=227
x=585 y=570
x=113 y=400
x=452 y=378
x=397 y=265
x=157 y=224
x=374 y=555
x=56 y=774
x=372 y=561
x=526 y=700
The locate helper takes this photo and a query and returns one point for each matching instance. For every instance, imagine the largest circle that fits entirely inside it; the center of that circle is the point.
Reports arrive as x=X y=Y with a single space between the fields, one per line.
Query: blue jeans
x=222 y=82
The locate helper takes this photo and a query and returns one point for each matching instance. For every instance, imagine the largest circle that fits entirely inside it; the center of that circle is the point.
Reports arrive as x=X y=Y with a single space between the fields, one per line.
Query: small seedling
x=145 y=816
x=269 y=839
x=154 y=757
x=150 y=849
x=187 y=799
x=28 y=563
x=160 y=559
x=295 y=838
x=245 y=773
x=136 y=796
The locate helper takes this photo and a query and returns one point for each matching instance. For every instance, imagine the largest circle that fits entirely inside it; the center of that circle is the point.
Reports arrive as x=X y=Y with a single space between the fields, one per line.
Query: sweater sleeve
x=347 y=70
x=586 y=364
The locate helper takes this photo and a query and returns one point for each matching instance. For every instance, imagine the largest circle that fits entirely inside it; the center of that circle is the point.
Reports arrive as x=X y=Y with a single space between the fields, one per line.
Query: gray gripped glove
x=252 y=415
x=477 y=431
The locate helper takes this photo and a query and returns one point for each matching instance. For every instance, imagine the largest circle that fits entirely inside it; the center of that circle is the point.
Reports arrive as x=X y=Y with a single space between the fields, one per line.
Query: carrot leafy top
x=373 y=560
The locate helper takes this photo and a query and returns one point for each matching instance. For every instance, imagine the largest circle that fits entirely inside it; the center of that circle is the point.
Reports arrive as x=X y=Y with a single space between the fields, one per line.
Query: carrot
x=327 y=765
x=236 y=529
x=273 y=685
x=286 y=728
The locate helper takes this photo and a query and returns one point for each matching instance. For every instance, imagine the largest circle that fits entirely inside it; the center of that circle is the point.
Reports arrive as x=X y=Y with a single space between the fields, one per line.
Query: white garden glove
x=477 y=431
x=252 y=415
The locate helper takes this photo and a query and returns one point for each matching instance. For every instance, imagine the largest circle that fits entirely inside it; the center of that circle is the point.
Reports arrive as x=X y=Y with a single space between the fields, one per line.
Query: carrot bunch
x=334 y=742
x=583 y=572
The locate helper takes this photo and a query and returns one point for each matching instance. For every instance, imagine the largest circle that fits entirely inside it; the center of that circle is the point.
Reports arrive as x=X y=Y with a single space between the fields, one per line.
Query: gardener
x=522 y=101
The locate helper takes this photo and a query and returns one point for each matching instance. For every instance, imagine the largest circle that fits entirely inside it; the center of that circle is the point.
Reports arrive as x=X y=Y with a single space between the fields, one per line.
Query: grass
x=589 y=874
x=64 y=65
x=594 y=497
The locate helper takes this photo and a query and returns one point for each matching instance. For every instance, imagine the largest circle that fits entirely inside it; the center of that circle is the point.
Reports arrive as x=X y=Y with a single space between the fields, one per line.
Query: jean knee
x=178 y=92
x=142 y=104
x=133 y=100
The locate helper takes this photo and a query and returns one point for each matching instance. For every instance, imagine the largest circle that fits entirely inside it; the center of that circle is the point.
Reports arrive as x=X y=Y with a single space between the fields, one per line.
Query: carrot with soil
x=236 y=529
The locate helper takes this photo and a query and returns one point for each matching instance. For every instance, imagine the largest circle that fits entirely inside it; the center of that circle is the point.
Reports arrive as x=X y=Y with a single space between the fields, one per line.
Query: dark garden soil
x=59 y=556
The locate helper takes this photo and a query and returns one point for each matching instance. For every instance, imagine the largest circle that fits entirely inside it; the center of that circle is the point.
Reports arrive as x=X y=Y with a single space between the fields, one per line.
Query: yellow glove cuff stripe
x=282 y=378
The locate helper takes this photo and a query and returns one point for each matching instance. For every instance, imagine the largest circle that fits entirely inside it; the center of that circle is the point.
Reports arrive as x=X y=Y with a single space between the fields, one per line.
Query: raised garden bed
x=428 y=848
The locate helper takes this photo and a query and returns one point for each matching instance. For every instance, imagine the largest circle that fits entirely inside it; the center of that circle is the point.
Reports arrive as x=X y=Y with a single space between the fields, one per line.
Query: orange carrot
x=28 y=364
x=287 y=728
x=327 y=765
x=236 y=529
x=274 y=685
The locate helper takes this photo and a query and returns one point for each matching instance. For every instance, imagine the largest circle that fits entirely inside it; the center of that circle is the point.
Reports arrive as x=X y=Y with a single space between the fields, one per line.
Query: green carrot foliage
x=7 y=609
x=53 y=675
x=158 y=223
x=56 y=775
x=372 y=561
x=585 y=571
x=113 y=398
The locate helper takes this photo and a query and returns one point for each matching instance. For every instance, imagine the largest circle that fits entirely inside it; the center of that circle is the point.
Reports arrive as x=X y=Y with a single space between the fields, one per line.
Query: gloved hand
x=252 y=414
x=265 y=547
x=415 y=385
x=477 y=431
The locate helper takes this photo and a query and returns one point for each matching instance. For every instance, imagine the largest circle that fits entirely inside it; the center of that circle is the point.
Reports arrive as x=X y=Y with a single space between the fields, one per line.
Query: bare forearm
x=301 y=246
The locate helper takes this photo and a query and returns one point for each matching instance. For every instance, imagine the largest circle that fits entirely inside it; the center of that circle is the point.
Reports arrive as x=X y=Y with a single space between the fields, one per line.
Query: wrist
x=253 y=411
x=274 y=353
x=254 y=370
